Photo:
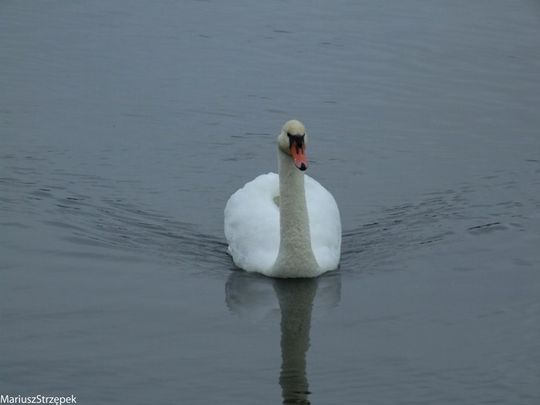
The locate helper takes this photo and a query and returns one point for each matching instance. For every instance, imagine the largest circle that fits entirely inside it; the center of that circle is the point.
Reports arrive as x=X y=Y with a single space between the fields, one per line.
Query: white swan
x=287 y=225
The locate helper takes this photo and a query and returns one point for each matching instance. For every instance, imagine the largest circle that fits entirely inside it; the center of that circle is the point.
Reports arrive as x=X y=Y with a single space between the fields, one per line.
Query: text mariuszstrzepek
x=37 y=399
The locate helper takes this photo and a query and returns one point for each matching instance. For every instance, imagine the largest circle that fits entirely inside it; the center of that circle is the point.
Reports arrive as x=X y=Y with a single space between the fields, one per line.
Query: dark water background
x=126 y=125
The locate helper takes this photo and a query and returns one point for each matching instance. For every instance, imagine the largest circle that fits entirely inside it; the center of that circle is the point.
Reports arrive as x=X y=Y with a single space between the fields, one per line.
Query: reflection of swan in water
x=296 y=301
x=252 y=295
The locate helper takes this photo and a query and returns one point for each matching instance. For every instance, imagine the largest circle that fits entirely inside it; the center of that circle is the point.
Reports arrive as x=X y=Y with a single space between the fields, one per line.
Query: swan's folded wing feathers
x=254 y=243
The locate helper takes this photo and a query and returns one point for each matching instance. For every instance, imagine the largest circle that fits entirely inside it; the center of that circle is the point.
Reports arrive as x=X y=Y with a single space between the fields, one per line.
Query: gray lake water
x=126 y=125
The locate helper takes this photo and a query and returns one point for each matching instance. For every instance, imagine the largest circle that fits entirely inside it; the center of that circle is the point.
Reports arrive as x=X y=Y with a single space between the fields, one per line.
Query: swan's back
x=252 y=224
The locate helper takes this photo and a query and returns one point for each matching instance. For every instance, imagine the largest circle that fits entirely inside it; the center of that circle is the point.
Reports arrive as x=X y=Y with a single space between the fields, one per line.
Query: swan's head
x=293 y=141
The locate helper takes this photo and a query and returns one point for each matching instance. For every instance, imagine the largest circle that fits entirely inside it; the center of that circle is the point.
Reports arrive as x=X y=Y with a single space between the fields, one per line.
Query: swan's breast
x=252 y=224
x=324 y=224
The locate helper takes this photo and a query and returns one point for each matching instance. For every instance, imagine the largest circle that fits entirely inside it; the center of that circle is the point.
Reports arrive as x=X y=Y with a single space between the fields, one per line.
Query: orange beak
x=298 y=153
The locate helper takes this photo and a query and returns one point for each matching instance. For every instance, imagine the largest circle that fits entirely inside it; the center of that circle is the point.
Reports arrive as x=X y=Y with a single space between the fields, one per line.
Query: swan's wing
x=252 y=224
x=324 y=225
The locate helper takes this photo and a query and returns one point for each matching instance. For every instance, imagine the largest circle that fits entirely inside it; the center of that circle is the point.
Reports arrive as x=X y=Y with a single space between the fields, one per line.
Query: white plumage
x=252 y=220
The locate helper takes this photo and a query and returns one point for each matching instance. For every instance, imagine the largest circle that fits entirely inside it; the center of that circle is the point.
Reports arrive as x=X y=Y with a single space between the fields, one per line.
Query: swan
x=285 y=225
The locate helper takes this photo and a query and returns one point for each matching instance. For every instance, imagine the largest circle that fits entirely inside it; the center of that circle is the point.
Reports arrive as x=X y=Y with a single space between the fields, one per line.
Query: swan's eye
x=296 y=139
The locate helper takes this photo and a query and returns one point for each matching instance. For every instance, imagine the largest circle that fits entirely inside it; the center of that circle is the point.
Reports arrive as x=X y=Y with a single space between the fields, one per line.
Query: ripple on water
x=95 y=225
x=449 y=216
x=106 y=229
x=134 y=232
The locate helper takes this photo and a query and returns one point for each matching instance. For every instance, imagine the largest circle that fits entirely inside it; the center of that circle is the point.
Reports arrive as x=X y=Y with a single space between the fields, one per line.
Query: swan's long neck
x=295 y=257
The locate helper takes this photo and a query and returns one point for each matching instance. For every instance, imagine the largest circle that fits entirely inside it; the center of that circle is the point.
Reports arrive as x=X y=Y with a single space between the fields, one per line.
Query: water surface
x=124 y=128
